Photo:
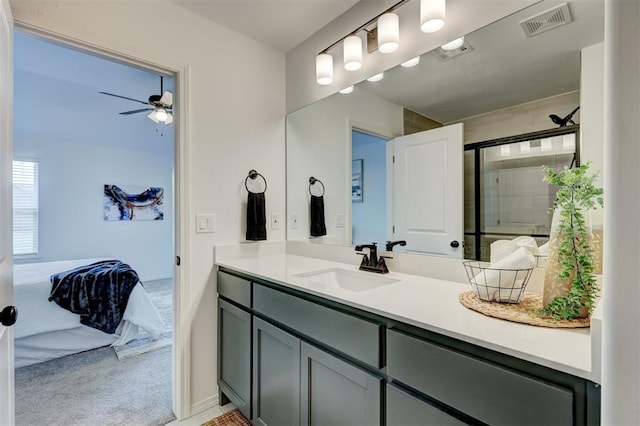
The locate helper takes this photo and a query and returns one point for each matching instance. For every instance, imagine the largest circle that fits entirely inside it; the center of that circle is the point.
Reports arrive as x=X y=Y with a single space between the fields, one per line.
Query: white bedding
x=37 y=315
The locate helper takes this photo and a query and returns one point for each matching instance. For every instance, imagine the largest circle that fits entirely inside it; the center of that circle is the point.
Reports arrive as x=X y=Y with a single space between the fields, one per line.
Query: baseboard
x=205 y=404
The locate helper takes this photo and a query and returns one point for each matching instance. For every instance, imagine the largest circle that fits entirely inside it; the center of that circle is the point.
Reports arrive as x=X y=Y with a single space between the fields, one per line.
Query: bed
x=45 y=331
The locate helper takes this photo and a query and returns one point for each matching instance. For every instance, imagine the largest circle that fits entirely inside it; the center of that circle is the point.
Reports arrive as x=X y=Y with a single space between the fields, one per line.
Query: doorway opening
x=83 y=141
x=369 y=195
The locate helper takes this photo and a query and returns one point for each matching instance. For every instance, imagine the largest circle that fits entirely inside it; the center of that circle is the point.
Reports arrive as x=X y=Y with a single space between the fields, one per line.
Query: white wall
x=236 y=109
x=319 y=145
x=592 y=113
x=369 y=218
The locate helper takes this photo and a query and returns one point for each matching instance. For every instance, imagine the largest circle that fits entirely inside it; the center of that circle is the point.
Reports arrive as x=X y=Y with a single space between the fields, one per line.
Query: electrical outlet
x=295 y=221
x=275 y=221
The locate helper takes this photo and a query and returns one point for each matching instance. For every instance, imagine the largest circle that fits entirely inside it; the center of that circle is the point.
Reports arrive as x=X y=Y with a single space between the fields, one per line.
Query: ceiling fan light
x=161 y=114
x=376 y=77
x=432 y=15
x=324 y=69
x=411 y=62
x=167 y=98
x=347 y=90
x=388 y=33
x=152 y=117
x=352 y=49
x=169 y=119
x=453 y=44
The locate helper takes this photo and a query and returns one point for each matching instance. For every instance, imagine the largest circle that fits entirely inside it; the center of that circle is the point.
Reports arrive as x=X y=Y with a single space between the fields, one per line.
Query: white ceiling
x=282 y=24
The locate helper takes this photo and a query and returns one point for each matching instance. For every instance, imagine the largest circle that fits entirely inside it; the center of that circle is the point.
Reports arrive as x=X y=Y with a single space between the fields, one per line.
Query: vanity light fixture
x=383 y=34
x=432 y=15
x=505 y=150
x=324 y=69
x=347 y=90
x=454 y=44
x=411 y=62
x=525 y=147
x=376 y=77
x=352 y=51
x=388 y=33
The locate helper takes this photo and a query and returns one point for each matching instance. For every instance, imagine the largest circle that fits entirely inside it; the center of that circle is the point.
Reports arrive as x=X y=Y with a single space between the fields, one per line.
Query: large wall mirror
x=505 y=79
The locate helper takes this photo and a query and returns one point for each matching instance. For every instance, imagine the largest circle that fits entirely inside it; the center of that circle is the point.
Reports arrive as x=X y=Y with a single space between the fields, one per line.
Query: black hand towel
x=256 y=217
x=318 y=227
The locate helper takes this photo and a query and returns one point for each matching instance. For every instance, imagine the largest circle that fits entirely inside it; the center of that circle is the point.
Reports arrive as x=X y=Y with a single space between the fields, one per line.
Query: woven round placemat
x=522 y=312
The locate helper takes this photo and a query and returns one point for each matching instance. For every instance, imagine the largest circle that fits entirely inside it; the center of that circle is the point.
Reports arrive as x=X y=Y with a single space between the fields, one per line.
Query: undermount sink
x=346 y=279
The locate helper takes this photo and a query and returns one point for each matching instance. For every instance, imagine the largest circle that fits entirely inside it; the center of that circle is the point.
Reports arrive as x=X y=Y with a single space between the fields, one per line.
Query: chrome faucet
x=371 y=262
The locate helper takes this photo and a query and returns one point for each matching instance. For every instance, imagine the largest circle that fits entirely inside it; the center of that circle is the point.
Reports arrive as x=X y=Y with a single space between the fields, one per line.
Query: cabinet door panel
x=406 y=410
x=234 y=355
x=334 y=392
x=276 y=376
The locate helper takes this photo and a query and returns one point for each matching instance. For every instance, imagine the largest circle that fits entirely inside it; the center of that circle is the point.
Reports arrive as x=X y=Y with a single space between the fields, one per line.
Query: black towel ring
x=253 y=174
x=312 y=181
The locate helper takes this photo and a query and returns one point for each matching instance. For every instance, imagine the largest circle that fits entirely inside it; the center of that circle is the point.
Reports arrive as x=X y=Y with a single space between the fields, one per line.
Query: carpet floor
x=95 y=388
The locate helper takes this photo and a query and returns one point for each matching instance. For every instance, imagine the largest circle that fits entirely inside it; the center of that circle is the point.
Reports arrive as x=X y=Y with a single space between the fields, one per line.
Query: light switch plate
x=205 y=223
x=340 y=220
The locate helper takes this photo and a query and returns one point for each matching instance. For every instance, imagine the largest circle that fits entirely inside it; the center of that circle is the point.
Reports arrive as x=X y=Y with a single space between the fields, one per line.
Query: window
x=25 y=208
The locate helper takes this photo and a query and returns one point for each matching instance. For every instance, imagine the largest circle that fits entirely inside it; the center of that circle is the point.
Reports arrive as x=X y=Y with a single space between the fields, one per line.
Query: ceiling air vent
x=545 y=21
x=445 y=55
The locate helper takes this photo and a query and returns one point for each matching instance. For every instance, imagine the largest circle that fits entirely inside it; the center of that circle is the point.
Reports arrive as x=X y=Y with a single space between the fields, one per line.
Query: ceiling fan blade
x=167 y=99
x=136 y=111
x=124 y=97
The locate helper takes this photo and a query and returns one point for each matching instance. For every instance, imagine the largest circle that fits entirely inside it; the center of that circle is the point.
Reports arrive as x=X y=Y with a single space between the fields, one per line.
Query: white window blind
x=25 y=207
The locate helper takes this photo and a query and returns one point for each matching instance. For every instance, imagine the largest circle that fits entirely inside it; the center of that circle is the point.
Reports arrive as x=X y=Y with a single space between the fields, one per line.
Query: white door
x=428 y=191
x=6 y=212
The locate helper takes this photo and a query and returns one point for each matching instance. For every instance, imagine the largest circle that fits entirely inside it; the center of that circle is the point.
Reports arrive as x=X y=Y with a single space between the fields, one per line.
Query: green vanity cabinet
x=404 y=409
x=335 y=392
x=287 y=357
x=276 y=376
x=234 y=355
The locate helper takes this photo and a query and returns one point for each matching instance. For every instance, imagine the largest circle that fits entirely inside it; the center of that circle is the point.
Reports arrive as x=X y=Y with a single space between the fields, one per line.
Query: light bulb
x=525 y=147
x=388 y=33
x=505 y=150
x=324 y=69
x=454 y=44
x=352 y=50
x=347 y=90
x=432 y=14
x=411 y=62
x=161 y=114
x=376 y=77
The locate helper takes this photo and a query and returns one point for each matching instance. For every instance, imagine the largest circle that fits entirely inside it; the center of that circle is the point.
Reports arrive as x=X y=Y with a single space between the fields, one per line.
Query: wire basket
x=497 y=285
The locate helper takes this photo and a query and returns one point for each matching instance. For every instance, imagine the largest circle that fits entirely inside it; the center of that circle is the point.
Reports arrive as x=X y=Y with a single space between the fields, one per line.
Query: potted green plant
x=571 y=289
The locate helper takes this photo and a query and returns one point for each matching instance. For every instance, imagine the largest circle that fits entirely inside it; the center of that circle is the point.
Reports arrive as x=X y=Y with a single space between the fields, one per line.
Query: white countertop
x=431 y=304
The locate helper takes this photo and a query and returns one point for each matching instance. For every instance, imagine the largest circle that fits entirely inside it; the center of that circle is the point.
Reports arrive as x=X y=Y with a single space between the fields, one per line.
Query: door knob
x=8 y=316
x=454 y=244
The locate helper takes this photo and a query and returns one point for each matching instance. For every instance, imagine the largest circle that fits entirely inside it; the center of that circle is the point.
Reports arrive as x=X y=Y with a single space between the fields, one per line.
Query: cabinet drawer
x=406 y=410
x=488 y=392
x=234 y=288
x=351 y=335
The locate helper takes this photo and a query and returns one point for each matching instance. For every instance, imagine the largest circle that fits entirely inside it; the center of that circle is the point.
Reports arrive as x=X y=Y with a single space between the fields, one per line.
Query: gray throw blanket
x=98 y=292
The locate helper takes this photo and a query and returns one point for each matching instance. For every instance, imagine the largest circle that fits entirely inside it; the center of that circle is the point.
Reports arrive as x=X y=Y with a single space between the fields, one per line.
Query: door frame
x=181 y=383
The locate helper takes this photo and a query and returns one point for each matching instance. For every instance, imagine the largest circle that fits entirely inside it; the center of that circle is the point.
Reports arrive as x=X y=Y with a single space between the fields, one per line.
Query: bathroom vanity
x=310 y=341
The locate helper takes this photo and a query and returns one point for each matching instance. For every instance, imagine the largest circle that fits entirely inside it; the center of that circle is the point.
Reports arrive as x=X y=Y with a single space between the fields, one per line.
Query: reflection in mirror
x=499 y=83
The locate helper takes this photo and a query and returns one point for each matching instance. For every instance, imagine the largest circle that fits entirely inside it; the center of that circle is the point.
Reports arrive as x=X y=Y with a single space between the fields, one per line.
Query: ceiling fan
x=161 y=106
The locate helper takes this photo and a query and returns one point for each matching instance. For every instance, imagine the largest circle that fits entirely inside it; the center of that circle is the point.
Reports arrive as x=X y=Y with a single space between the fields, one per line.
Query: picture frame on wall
x=356 y=181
